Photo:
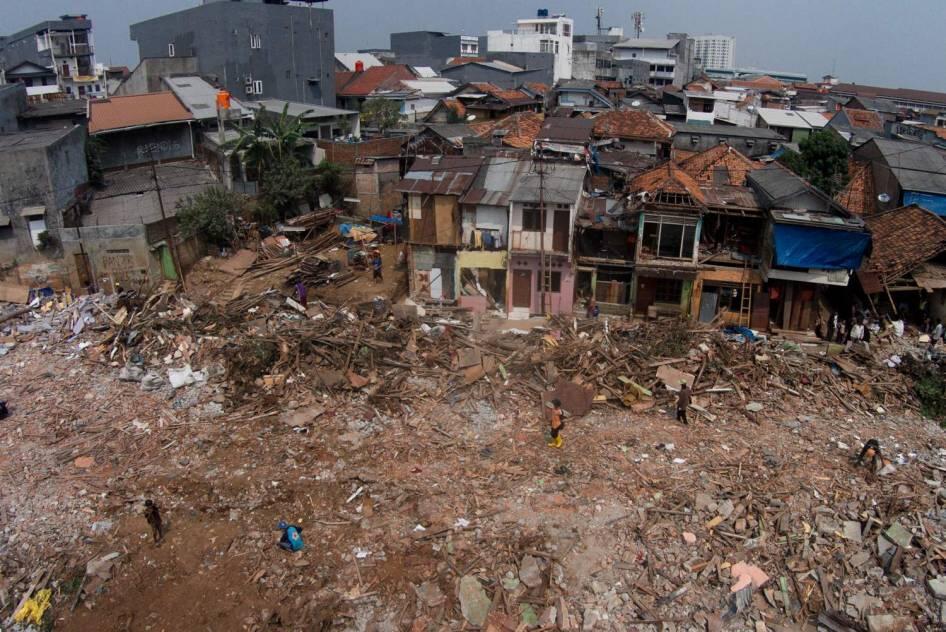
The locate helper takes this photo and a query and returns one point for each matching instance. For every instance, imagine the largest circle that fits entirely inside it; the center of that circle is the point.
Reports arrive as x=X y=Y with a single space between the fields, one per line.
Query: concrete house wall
x=146 y=144
x=12 y=104
x=295 y=59
x=425 y=48
x=44 y=172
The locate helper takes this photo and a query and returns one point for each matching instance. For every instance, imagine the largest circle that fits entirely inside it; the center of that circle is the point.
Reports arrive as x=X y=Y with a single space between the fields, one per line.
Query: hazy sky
x=867 y=41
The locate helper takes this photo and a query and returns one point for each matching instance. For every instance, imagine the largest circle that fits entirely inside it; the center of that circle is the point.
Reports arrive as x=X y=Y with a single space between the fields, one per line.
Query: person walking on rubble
x=555 y=423
x=153 y=516
x=936 y=335
x=683 y=402
x=303 y=293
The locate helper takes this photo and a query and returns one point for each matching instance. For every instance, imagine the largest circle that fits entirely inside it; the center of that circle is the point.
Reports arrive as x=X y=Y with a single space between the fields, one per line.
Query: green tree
x=823 y=161
x=283 y=186
x=93 y=160
x=329 y=179
x=210 y=215
x=381 y=113
x=273 y=149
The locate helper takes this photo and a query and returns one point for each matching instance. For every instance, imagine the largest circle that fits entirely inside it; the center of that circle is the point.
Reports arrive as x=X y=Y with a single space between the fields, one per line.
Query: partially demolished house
x=812 y=245
x=493 y=233
x=483 y=258
x=543 y=208
x=907 y=264
x=433 y=188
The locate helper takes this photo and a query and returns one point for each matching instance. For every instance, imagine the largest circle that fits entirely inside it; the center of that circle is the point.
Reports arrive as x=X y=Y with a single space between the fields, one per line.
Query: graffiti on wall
x=148 y=150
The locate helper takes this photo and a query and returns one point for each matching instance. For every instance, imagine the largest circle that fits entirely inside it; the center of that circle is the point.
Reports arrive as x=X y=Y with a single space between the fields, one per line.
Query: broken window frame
x=687 y=236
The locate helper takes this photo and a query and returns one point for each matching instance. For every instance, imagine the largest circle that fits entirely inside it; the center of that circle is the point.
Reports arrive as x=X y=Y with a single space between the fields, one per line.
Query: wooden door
x=646 y=294
x=522 y=288
x=760 y=309
x=560 y=227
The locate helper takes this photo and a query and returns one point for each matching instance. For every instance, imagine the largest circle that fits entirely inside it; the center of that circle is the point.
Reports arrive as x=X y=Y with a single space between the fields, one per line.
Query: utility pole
x=168 y=233
x=543 y=289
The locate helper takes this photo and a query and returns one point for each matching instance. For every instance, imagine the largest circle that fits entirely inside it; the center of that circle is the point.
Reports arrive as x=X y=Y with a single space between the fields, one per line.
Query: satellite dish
x=635 y=103
x=884 y=197
x=471 y=117
x=751 y=108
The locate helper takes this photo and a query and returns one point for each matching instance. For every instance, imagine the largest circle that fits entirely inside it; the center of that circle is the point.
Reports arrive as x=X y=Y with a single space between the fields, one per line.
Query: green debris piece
x=527 y=615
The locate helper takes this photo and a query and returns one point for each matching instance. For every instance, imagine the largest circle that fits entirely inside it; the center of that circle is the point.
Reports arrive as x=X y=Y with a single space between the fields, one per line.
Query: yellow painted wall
x=482 y=259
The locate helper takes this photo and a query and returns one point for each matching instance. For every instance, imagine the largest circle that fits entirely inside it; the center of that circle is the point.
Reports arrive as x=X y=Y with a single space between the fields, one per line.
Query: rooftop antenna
x=638 y=18
x=598 y=16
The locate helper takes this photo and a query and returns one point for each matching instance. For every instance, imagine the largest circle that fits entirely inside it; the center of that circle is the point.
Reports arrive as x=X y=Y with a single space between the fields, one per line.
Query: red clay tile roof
x=117 y=113
x=459 y=61
x=679 y=155
x=538 y=88
x=702 y=166
x=764 y=82
x=864 y=119
x=903 y=239
x=632 y=125
x=513 y=96
x=667 y=178
x=361 y=84
x=610 y=85
x=858 y=195
x=456 y=105
x=521 y=129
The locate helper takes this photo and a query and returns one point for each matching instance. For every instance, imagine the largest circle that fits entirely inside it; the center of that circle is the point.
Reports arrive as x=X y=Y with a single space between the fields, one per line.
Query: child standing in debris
x=153 y=516
x=683 y=402
x=376 y=265
x=556 y=423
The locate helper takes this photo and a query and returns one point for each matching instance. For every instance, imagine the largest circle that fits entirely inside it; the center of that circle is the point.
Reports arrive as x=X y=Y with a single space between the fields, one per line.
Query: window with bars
x=256 y=41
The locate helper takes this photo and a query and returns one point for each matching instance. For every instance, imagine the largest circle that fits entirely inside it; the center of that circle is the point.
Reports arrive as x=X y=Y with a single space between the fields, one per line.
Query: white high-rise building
x=715 y=51
x=543 y=34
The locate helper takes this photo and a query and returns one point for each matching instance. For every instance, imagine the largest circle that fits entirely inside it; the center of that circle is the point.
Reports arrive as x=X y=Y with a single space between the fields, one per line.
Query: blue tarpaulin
x=811 y=247
x=929 y=201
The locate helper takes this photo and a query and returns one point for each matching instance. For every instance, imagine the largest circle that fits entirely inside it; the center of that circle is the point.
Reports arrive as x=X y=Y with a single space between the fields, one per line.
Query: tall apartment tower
x=256 y=49
x=53 y=57
x=715 y=51
x=543 y=34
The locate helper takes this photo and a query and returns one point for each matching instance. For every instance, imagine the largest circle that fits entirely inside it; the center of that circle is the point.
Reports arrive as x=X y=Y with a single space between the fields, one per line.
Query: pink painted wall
x=561 y=302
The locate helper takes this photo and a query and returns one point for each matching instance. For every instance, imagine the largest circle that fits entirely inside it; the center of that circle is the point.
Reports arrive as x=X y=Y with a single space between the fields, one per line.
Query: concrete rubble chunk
x=889 y=623
x=430 y=594
x=474 y=604
x=726 y=508
x=529 y=572
x=897 y=534
x=852 y=530
x=937 y=586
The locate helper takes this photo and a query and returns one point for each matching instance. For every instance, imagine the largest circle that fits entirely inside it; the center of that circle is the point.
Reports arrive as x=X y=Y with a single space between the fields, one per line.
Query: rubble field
x=410 y=446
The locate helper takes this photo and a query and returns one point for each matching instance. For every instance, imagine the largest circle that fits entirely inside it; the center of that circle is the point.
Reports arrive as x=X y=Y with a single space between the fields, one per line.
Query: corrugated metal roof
x=775 y=117
x=298 y=109
x=495 y=182
x=442 y=175
x=563 y=184
x=200 y=98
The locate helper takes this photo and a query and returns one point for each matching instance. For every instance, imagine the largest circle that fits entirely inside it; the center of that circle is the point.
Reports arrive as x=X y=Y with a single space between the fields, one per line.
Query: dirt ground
x=395 y=510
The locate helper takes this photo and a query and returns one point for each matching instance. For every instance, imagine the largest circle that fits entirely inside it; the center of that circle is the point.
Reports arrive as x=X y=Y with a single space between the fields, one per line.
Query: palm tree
x=270 y=141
